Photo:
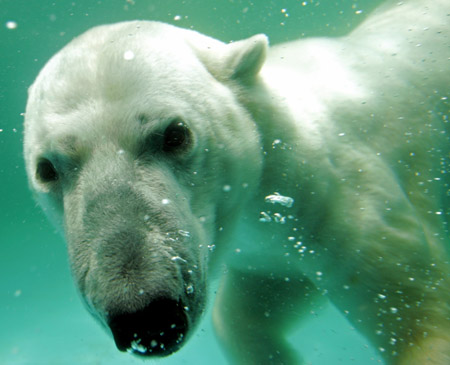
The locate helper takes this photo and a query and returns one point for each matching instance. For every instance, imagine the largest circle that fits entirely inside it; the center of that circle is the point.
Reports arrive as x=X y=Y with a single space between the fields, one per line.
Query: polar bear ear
x=240 y=61
x=244 y=59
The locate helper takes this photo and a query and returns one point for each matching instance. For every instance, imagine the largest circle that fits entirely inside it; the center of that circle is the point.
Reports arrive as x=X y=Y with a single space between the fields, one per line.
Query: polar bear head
x=138 y=146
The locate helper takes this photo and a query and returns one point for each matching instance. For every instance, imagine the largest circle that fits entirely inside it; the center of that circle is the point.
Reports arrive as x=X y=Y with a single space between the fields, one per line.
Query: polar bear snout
x=157 y=330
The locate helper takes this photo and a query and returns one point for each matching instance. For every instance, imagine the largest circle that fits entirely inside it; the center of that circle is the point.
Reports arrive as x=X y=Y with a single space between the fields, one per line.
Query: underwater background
x=42 y=320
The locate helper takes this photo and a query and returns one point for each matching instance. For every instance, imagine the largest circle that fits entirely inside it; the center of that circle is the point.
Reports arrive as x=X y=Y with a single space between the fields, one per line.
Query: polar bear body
x=318 y=168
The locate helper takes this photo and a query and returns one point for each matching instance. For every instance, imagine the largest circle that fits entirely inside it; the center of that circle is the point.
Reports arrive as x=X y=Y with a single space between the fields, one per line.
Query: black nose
x=157 y=330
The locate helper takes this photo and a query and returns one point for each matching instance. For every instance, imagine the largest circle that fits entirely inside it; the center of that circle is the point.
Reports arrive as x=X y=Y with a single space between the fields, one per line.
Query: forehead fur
x=111 y=62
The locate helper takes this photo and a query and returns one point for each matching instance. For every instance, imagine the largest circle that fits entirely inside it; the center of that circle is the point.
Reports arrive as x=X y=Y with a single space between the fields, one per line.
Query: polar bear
x=316 y=168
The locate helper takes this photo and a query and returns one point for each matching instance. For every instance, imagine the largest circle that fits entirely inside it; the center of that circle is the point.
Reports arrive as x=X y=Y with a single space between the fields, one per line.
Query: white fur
x=353 y=129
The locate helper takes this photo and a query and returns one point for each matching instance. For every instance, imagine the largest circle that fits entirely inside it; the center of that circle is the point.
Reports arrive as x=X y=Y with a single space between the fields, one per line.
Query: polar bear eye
x=176 y=136
x=45 y=171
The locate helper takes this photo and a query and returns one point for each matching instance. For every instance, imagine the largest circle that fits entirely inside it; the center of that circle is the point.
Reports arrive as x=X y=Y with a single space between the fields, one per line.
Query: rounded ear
x=240 y=60
x=245 y=58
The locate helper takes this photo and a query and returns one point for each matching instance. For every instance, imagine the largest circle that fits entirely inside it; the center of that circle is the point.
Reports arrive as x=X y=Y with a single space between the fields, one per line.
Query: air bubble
x=279 y=218
x=11 y=24
x=277 y=198
x=184 y=233
x=136 y=346
x=264 y=217
x=128 y=55
x=226 y=188
x=276 y=142
x=178 y=258
x=190 y=289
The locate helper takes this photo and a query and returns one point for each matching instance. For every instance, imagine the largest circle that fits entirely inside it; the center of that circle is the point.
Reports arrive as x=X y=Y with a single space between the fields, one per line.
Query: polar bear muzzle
x=157 y=330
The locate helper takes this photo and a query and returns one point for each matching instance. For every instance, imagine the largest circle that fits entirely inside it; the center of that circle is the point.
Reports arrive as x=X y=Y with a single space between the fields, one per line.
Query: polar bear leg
x=253 y=313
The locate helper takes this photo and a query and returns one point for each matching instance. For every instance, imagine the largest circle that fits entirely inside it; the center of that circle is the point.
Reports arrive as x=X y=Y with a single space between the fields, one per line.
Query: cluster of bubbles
x=136 y=345
x=276 y=198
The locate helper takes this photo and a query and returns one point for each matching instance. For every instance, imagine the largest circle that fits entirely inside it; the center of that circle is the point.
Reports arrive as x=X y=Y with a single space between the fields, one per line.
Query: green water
x=42 y=320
